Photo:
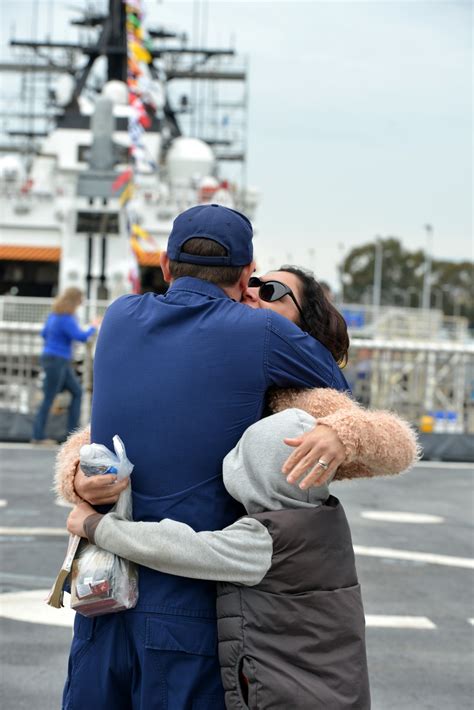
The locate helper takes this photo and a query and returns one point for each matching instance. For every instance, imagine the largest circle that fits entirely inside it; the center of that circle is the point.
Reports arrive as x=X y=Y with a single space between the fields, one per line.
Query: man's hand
x=321 y=444
x=99 y=490
x=75 y=521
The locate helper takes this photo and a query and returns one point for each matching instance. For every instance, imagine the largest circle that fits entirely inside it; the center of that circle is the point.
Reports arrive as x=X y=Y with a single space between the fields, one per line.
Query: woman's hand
x=99 y=490
x=320 y=445
x=75 y=521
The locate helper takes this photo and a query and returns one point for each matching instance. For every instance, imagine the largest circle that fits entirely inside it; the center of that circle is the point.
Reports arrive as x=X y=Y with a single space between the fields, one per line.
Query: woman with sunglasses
x=374 y=442
x=296 y=295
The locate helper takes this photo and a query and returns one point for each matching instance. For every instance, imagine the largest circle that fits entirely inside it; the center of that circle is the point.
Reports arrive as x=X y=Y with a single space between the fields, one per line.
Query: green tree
x=402 y=279
x=453 y=286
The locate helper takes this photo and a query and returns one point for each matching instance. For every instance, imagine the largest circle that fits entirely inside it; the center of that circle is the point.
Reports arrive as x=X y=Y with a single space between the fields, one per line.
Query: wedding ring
x=323 y=464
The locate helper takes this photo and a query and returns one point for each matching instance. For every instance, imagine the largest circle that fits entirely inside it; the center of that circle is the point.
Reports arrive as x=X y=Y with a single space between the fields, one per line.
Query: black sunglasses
x=270 y=291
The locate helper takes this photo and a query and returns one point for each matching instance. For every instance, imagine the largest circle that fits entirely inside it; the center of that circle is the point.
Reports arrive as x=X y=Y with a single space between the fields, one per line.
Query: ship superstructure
x=54 y=233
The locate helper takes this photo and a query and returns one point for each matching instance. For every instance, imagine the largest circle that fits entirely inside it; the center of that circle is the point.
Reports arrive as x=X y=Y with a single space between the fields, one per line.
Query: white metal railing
x=416 y=378
x=363 y=321
x=411 y=377
x=20 y=349
x=21 y=375
x=393 y=322
x=19 y=309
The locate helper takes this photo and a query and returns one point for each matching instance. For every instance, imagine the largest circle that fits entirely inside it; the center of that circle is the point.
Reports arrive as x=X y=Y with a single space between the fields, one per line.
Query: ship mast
x=180 y=61
x=111 y=43
x=117 y=40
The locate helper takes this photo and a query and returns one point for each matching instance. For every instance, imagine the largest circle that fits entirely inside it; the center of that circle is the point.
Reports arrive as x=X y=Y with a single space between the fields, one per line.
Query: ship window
x=97 y=223
x=28 y=278
x=121 y=153
x=83 y=152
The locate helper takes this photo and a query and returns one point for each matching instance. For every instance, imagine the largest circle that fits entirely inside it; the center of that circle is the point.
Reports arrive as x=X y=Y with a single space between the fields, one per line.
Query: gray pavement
x=410 y=668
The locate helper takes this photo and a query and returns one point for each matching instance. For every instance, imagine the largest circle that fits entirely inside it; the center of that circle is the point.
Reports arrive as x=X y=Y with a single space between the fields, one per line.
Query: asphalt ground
x=416 y=578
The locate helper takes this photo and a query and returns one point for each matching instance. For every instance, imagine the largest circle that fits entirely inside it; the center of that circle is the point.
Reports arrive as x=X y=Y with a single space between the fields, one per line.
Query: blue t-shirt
x=59 y=331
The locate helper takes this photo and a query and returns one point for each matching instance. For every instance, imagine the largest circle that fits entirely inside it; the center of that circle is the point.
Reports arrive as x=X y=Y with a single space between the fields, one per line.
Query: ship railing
x=416 y=378
x=21 y=374
x=362 y=320
x=22 y=309
x=391 y=322
x=411 y=377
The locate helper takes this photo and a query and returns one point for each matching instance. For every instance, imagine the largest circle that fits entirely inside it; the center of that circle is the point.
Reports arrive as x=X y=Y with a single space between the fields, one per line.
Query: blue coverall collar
x=204 y=288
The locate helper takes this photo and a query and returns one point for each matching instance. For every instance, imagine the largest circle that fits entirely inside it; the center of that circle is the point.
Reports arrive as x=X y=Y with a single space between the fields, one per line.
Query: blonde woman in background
x=59 y=332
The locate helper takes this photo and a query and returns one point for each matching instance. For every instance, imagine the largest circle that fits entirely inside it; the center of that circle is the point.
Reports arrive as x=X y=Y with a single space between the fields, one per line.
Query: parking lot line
x=21 y=532
x=383 y=621
x=412 y=556
x=393 y=516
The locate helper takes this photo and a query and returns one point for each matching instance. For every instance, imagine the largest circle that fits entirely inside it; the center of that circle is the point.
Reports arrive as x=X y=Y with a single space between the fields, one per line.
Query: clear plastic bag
x=97 y=459
x=103 y=583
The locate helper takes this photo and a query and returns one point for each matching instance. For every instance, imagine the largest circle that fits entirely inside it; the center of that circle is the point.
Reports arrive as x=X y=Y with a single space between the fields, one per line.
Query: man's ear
x=165 y=267
x=247 y=272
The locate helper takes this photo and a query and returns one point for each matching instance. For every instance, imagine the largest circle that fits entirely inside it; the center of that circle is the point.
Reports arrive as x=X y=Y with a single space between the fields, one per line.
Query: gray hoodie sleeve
x=241 y=553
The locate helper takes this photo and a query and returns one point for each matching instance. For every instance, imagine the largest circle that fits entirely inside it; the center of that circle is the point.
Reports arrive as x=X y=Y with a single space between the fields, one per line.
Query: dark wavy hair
x=323 y=320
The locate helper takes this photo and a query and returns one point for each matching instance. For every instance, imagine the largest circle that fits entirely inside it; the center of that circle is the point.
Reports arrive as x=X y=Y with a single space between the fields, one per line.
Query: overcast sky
x=360 y=118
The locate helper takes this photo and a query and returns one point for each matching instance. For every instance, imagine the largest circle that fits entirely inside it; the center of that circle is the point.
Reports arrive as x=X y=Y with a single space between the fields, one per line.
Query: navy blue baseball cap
x=227 y=227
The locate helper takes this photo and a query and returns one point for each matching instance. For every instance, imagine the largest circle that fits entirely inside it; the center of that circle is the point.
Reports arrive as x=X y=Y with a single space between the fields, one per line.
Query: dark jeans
x=59 y=376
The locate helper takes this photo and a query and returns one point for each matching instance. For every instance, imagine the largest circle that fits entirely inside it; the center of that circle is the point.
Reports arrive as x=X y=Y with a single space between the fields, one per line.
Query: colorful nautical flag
x=127 y=194
x=142 y=109
x=122 y=180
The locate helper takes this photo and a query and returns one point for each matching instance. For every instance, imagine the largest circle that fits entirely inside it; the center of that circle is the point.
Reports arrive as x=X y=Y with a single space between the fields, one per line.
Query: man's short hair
x=219 y=275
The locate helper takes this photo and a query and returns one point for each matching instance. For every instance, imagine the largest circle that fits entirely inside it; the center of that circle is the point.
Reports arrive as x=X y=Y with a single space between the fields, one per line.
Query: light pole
x=438 y=292
x=377 y=287
x=427 y=275
x=457 y=303
x=341 y=248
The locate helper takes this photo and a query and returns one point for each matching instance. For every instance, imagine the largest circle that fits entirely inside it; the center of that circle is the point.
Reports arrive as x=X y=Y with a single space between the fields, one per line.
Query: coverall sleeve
x=241 y=553
x=295 y=359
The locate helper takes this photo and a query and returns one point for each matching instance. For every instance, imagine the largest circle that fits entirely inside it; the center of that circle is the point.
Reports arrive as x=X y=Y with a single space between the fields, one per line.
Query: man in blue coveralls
x=180 y=377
